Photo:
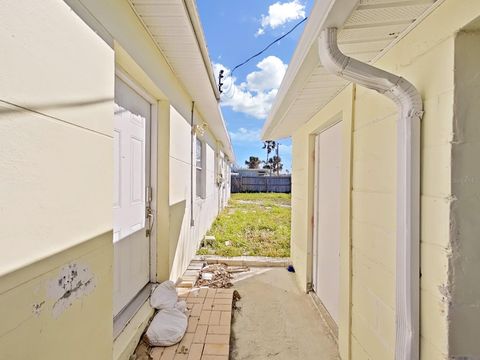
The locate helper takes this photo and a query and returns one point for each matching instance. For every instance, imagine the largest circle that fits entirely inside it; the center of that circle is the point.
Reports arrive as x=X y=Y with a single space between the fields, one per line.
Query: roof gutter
x=202 y=45
x=410 y=107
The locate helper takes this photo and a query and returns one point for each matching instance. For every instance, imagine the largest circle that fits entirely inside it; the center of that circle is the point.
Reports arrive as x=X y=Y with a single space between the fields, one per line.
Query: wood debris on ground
x=218 y=275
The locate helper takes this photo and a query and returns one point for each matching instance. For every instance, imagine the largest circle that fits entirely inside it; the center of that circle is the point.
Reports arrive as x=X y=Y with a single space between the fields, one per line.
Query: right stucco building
x=386 y=194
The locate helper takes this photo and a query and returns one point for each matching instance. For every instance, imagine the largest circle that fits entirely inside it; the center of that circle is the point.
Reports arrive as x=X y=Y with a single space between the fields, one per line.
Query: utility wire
x=268 y=46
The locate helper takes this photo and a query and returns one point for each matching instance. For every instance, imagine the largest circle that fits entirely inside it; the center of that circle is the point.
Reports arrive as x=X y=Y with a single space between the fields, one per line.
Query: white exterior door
x=131 y=177
x=326 y=243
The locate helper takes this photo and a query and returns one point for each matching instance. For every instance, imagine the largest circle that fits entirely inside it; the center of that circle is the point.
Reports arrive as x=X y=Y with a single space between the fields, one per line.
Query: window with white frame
x=200 y=168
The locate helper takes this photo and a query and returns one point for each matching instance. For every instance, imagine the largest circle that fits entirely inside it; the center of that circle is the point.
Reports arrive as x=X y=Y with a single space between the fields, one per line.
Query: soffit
x=169 y=23
x=368 y=32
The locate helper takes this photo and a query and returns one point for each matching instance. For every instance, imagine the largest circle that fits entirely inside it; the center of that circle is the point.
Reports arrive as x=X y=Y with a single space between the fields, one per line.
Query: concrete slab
x=278 y=321
x=252 y=261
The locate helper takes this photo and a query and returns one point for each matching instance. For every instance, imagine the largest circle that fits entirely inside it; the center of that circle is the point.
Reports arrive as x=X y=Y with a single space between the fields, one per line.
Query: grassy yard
x=253 y=225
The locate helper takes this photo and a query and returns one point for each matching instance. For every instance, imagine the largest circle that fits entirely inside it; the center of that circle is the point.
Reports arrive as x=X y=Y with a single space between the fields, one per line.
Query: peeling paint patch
x=72 y=283
x=37 y=308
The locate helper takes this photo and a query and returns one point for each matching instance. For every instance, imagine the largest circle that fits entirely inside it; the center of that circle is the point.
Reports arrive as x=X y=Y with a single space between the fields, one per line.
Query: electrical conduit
x=192 y=164
x=409 y=103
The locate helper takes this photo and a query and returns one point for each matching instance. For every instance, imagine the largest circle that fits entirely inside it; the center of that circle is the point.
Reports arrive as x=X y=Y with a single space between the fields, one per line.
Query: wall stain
x=73 y=282
x=37 y=308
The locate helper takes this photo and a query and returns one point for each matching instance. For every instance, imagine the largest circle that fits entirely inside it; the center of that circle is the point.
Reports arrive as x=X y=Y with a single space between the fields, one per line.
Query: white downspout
x=410 y=107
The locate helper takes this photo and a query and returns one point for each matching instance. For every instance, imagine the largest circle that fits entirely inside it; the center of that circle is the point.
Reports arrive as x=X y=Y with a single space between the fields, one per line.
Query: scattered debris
x=208 y=241
x=182 y=350
x=207 y=276
x=291 y=269
x=228 y=243
x=218 y=275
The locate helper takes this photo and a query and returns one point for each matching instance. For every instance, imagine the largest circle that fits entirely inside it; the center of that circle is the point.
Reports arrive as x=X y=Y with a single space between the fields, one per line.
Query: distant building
x=252 y=172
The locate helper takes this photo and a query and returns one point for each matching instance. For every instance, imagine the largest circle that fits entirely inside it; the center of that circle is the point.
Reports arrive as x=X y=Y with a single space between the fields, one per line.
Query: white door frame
x=121 y=320
x=313 y=276
x=152 y=148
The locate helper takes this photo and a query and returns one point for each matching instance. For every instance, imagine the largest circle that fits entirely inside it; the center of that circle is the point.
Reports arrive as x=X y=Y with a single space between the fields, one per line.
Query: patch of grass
x=254 y=224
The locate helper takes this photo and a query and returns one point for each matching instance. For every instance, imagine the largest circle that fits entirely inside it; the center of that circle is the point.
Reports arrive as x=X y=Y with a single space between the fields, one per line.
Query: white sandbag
x=164 y=296
x=181 y=306
x=167 y=328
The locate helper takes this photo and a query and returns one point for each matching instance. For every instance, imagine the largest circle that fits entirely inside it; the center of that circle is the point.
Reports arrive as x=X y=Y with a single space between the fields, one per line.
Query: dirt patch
x=278 y=321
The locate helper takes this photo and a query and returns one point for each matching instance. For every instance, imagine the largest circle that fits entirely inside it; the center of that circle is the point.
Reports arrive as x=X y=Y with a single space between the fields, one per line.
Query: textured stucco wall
x=426 y=58
x=464 y=290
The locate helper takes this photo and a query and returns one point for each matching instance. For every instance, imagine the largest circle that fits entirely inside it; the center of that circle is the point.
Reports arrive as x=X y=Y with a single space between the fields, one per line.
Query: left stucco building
x=101 y=103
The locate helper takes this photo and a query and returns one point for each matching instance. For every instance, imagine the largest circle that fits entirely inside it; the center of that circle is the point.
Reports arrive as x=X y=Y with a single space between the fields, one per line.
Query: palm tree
x=253 y=162
x=269 y=145
x=274 y=164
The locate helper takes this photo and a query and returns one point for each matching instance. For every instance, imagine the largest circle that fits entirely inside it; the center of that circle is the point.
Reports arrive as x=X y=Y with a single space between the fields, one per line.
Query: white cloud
x=285 y=150
x=281 y=13
x=270 y=76
x=246 y=135
x=255 y=96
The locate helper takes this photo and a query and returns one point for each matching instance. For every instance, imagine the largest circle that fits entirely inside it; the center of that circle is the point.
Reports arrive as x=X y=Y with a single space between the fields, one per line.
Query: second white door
x=326 y=244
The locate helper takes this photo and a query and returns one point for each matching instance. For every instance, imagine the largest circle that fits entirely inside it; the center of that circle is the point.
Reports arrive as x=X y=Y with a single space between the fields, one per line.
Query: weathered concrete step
x=250 y=261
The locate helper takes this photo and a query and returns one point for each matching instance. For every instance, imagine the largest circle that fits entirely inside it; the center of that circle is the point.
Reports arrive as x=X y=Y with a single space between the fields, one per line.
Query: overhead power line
x=269 y=45
x=220 y=83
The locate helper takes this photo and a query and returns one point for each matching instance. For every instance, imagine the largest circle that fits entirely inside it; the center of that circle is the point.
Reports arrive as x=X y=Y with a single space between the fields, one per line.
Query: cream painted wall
x=303 y=203
x=56 y=111
x=464 y=261
x=426 y=58
x=184 y=238
x=117 y=22
x=141 y=59
x=56 y=131
x=41 y=320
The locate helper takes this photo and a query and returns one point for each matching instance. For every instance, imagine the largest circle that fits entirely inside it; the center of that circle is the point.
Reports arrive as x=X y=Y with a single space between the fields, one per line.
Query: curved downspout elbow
x=410 y=106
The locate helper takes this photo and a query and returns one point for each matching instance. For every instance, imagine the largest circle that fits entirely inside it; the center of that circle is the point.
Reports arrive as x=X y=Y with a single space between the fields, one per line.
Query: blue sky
x=235 y=30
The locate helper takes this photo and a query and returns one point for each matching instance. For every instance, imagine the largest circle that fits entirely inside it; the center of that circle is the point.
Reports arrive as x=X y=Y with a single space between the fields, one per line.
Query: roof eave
x=207 y=103
x=192 y=12
x=328 y=13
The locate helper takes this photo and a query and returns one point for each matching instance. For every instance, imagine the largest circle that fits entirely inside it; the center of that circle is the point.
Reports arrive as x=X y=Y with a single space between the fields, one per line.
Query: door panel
x=326 y=269
x=131 y=172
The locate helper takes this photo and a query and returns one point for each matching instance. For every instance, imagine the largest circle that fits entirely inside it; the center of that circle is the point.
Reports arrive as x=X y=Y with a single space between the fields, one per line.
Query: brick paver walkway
x=209 y=325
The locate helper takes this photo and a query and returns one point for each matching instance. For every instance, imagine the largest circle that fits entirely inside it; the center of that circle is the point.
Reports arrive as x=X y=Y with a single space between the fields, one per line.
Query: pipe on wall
x=410 y=107
x=192 y=164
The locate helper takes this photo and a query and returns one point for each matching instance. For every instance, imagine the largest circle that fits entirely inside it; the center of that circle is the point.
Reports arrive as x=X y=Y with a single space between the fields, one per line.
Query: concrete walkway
x=277 y=321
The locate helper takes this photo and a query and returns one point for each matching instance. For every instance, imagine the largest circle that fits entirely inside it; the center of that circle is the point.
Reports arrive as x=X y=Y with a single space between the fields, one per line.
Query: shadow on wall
x=177 y=217
x=44 y=107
